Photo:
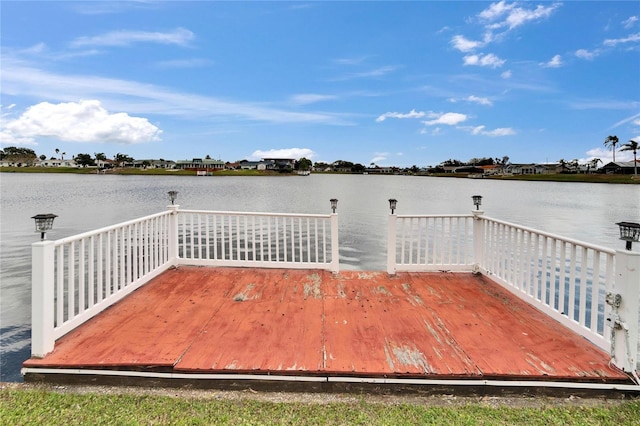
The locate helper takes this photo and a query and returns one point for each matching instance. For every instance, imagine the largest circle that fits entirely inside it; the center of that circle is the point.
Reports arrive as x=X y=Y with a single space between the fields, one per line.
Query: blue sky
x=390 y=83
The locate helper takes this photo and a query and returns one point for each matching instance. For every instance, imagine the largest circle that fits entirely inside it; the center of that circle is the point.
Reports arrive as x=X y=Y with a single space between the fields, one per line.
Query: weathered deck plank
x=233 y=320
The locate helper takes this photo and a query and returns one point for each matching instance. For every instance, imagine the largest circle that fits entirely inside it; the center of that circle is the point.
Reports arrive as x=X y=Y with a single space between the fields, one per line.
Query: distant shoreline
x=585 y=178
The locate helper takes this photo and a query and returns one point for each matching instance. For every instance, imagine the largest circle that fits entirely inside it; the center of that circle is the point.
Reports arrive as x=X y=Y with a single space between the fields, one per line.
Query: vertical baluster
x=276 y=237
x=544 y=282
x=154 y=238
x=224 y=219
x=136 y=247
x=427 y=241
x=452 y=234
x=595 y=292
x=572 y=283
x=308 y=221
x=402 y=222
x=524 y=261
x=71 y=288
x=91 y=271
x=315 y=239
x=563 y=277
x=254 y=256
x=121 y=258
x=82 y=262
x=214 y=235
x=553 y=276
x=584 y=263
x=293 y=236
x=60 y=285
x=535 y=260
x=411 y=238
x=324 y=241
x=101 y=281
x=107 y=266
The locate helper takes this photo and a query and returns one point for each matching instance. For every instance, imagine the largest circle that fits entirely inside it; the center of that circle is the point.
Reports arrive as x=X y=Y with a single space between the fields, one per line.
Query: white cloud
x=555 y=62
x=379 y=156
x=606 y=155
x=636 y=122
x=501 y=131
x=293 y=153
x=630 y=22
x=478 y=100
x=448 y=118
x=143 y=98
x=489 y=60
x=184 y=63
x=85 y=121
x=411 y=114
x=585 y=54
x=510 y=16
x=374 y=73
x=179 y=36
x=310 y=98
x=463 y=44
x=506 y=75
x=614 y=41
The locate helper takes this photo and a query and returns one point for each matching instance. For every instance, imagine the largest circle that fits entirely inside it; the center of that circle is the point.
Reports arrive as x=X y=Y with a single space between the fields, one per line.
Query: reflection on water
x=586 y=212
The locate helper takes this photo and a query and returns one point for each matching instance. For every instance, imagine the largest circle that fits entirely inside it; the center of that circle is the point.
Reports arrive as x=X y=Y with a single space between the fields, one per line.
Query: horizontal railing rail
x=430 y=243
x=268 y=240
x=565 y=278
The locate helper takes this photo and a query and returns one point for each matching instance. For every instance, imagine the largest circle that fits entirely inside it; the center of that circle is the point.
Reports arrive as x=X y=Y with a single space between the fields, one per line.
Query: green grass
x=48 y=407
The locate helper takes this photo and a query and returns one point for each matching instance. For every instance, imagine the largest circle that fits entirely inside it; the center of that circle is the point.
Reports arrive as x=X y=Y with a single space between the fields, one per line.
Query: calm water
x=586 y=212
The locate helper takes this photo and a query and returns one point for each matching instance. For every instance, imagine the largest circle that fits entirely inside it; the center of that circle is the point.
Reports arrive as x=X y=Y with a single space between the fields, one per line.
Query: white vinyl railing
x=564 y=278
x=430 y=243
x=575 y=283
x=75 y=278
x=261 y=240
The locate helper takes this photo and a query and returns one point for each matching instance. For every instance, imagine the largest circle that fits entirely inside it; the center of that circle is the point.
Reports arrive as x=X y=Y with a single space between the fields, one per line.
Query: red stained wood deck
x=366 y=324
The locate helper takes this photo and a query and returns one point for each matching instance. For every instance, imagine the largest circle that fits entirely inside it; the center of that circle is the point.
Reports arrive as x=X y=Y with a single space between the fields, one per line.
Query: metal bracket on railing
x=613 y=299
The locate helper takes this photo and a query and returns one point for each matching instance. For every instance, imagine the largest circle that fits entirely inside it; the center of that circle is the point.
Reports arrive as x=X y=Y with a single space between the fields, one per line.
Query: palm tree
x=594 y=163
x=57 y=151
x=632 y=146
x=611 y=142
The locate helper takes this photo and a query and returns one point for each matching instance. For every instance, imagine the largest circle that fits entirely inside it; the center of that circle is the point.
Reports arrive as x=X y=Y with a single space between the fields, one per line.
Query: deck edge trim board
x=344 y=380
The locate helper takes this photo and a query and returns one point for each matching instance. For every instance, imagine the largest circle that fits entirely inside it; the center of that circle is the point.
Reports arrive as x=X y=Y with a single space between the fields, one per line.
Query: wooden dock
x=192 y=321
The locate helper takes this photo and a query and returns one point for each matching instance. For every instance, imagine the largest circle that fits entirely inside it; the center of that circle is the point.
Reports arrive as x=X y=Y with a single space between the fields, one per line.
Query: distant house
x=619 y=167
x=469 y=169
x=381 y=170
x=532 y=169
x=54 y=162
x=154 y=164
x=282 y=164
x=258 y=165
x=200 y=164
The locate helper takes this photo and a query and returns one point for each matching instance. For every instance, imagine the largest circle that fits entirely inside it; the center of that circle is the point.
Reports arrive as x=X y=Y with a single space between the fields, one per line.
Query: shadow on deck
x=308 y=329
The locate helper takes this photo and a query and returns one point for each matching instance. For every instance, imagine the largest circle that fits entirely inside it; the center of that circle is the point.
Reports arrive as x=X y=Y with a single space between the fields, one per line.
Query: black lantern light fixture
x=334 y=204
x=629 y=232
x=173 y=195
x=477 y=201
x=44 y=222
x=392 y=204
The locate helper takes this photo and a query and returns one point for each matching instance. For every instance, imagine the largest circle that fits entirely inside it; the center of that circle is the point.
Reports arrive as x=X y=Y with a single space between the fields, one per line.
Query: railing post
x=624 y=317
x=478 y=240
x=42 y=300
x=391 y=245
x=335 y=249
x=173 y=233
